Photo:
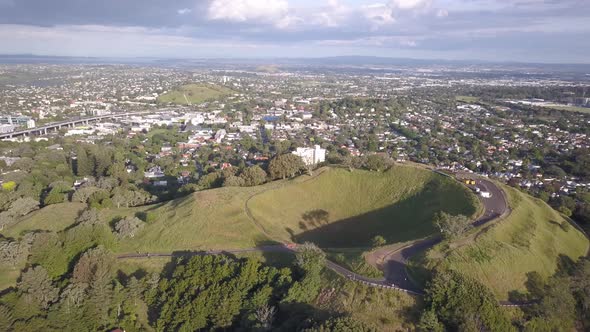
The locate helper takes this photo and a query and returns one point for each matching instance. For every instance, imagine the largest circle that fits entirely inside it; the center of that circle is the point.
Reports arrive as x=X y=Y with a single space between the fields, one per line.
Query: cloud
x=410 y=4
x=378 y=14
x=329 y=26
x=254 y=11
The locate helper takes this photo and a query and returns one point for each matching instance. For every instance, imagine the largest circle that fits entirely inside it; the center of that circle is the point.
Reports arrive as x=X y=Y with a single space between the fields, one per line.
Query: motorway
x=57 y=125
x=396 y=276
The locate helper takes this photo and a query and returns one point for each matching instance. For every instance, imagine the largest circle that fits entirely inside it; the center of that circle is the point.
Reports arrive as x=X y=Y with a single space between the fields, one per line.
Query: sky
x=556 y=31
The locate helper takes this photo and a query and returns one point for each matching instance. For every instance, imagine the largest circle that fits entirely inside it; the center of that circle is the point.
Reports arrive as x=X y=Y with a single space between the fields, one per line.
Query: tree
x=23 y=206
x=342 y=324
x=253 y=176
x=581 y=286
x=84 y=165
x=285 y=166
x=378 y=241
x=89 y=217
x=100 y=199
x=55 y=196
x=377 y=162
x=557 y=307
x=37 y=288
x=118 y=171
x=429 y=322
x=211 y=180
x=128 y=227
x=94 y=267
x=463 y=304
x=310 y=260
x=83 y=194
x=5 y=219
x=233 y=181
x=451 y=226
x=265 y=315
x=566 y=212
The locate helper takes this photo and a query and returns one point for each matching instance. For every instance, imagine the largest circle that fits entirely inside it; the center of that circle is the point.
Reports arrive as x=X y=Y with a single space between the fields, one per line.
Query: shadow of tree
x=315 y=218
x=405 y=220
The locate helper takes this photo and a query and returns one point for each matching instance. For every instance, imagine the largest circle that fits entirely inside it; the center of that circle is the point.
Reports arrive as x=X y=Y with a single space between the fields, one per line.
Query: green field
x=467 y=99
x=347 y=209
x=532 y=238
x=194 y=94
x=51 y=218
x=569 y=108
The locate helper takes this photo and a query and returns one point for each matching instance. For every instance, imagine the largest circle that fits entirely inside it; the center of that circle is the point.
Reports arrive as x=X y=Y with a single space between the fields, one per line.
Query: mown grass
x=212 y=219
x=347 y=209
x=195 y=94
x=531 y=238
x=51 y=218
x=569 y=108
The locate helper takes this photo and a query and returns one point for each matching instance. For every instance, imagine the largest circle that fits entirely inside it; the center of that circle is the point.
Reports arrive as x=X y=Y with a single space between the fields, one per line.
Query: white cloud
x=184 y=11
x=410 y=4
x=332 y=15
x=442 y=13
x=265 y=11
x=378 y=14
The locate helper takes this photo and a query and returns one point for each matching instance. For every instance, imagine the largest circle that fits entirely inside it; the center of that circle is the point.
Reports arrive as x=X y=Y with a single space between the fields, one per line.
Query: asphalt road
x=395 y=264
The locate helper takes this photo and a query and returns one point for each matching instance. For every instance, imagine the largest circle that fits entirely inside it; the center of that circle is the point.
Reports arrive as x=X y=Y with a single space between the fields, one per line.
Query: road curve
x=395 y=264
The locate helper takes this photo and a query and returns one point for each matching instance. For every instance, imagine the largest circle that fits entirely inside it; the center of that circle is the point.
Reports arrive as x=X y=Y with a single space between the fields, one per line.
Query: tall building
x=311 y=156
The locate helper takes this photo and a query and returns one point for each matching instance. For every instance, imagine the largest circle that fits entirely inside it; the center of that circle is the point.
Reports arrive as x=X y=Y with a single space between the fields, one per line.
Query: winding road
x=394 y=264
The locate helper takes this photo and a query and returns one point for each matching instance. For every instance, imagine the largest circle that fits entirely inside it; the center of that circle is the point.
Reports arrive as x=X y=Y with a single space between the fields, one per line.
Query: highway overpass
x=43 y=130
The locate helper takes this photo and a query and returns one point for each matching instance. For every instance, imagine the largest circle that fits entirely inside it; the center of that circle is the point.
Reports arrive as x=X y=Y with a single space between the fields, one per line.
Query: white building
x=7 y=128
x=311 y=156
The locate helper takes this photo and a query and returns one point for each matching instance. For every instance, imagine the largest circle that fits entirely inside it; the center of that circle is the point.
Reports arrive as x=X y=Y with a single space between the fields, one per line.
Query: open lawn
x=347 y=209
x=211 y=219
x=194 y=94
x=569 y=108
x=533 y=238
x=51 y=218
x=467 y=99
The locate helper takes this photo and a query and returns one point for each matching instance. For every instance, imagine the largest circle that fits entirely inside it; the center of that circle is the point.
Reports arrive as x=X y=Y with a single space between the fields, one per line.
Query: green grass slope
x=195 y=94
x=347 y=209
x=211 y=219
x=51 y=218
x=532 y=238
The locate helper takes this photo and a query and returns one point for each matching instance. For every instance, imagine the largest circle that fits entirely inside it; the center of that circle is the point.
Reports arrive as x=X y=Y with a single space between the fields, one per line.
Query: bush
x=128 y=227
x=378 y=241
x=147 y=216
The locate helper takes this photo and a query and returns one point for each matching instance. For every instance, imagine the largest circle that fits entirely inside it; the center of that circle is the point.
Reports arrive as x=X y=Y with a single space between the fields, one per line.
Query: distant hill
x=194 y=94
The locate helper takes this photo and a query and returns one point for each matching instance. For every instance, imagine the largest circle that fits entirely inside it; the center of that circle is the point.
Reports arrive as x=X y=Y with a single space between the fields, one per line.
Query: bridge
x=43 y=130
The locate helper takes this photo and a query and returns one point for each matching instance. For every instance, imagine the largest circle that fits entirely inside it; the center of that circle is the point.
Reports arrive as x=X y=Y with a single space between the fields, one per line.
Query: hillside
x=533 y=237
x=194 y=94
x=347 y=209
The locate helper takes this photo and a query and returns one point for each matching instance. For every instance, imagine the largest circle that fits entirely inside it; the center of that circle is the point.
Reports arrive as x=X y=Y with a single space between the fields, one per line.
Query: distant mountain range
x=335 y=61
